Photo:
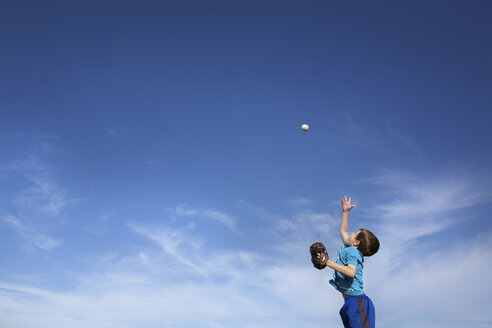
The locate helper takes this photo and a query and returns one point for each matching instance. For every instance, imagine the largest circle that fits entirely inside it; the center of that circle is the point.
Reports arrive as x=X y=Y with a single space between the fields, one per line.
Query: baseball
x=305 y=127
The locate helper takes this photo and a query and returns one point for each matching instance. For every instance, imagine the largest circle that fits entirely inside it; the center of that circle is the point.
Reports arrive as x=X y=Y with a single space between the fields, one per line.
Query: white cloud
x=175 y=242
x=143 y=257
x=407 y=141
x=233 y=287
x=117 y=131
x=187 y=304
x=418 y=207
x=42 y=198
x=31 y=164
x=440 y=283
x=260 y=212
x=446 y=283
x=299 y=202
x=182 y=210
x=31 y=236
x=35 y=204
x=307 y=225
x=184 y=282
x=221 y=217
x=359 y=135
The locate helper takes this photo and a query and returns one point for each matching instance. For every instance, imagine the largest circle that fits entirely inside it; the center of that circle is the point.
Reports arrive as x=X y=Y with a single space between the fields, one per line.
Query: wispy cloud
x=34 y=204
x=222 y=288
x=261 y=212
x=423 y=206
x=178 y=244
x=299 y=202
x=363 y=135
x=183 y=210
x=378 y=139
x=117 y=131
x=438 y=285
x=42 y=198
x=432 y=278
x=271 y=279
x=306 y=223
x=221 y=217
x=184 y=305
x=218 y=216
x=31 y=236
x=405 y=140
x=414 y=207
x=357 y=133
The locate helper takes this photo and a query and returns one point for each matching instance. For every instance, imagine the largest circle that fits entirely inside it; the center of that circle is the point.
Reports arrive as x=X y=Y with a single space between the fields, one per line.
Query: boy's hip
x=358 y=312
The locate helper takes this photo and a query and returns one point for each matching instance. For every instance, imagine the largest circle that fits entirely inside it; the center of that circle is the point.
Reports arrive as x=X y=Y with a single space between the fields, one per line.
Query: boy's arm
x=346 y=206
x=347 y=270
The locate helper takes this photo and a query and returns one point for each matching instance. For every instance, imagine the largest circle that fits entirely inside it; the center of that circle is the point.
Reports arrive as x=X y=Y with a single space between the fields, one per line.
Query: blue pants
x=358 y=312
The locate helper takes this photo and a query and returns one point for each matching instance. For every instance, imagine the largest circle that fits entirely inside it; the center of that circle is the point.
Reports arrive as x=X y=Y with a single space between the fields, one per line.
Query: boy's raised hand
x=346 y=205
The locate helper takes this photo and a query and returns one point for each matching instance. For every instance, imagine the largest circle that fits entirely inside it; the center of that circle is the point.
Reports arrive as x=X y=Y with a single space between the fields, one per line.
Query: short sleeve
x=353 y=256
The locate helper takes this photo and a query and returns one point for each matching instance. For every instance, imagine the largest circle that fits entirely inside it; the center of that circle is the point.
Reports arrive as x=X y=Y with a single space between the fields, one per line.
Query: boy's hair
x=368 y=242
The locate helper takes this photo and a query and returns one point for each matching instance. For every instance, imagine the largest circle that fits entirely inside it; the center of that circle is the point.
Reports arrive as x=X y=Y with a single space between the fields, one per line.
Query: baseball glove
x=319 y=262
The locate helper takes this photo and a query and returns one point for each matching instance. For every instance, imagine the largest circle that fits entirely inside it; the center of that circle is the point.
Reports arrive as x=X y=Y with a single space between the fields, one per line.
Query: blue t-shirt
x=346 y=285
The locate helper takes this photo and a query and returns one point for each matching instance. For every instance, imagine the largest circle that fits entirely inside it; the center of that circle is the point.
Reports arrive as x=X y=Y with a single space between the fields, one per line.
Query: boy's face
x=352 y=239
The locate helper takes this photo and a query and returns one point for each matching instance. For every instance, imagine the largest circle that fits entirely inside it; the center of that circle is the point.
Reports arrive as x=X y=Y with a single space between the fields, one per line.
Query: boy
x=358 y=309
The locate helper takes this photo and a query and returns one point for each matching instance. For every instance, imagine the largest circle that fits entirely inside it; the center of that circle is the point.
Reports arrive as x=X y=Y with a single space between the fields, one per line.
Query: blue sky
x=153 y=172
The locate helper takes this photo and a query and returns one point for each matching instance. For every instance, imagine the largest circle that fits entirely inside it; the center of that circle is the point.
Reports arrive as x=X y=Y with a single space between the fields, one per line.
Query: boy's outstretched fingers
x=346 y=203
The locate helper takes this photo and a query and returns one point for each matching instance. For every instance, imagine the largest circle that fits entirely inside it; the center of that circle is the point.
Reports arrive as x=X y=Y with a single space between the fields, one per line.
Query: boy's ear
x=356 y=242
